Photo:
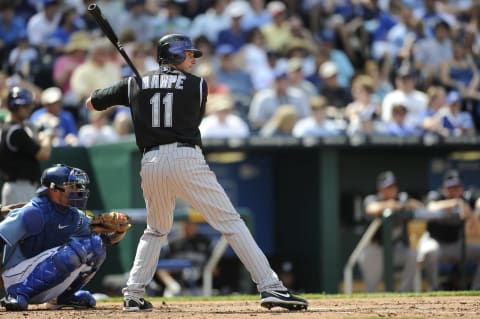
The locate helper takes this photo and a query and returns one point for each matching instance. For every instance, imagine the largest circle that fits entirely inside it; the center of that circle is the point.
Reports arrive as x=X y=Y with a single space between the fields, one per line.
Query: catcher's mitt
x=111 y=226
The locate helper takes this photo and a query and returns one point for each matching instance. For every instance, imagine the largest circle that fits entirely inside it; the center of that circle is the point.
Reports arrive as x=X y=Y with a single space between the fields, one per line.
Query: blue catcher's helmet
x=65 y=178
x=17 y=97
x=171 y=49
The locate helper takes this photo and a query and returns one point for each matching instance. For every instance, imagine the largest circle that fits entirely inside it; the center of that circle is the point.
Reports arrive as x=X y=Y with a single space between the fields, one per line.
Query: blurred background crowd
x=274 y=68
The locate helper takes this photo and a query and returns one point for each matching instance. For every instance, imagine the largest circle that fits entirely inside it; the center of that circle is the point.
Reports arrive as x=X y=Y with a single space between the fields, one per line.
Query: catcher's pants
x=431 y=252
x=371 y=264
x=20 y=272
x=173 y=171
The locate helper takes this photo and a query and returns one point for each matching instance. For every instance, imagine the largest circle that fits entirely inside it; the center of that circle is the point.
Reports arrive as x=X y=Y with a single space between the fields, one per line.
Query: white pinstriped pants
x=171 y=172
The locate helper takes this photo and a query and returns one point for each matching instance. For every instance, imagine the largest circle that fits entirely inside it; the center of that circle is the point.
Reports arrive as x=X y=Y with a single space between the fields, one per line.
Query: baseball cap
x=453 y=97
x=225 y=49
x=237 y=9
x=49 y=2
x=386 y=179
x=328 y=69
x=276 y=7
x=405 y=71
x=51 y=95
x=452 y=178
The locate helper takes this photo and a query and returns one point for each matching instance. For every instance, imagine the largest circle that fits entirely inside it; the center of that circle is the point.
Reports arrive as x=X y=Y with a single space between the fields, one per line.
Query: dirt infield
x=329 y=307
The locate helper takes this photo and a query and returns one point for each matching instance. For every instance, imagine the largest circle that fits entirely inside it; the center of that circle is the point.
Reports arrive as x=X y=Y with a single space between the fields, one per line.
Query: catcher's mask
x=171 y=49
x=66 y=178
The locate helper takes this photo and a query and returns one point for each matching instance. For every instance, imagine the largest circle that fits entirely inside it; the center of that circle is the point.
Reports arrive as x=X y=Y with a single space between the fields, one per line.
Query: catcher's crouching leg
x=82 y=256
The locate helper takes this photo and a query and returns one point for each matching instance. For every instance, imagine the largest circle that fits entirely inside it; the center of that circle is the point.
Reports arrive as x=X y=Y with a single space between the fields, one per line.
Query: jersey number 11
x=156 y=101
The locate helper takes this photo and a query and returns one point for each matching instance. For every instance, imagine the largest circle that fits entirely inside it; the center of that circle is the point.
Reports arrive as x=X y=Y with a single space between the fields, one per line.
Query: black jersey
x=446 y=230
x=167 y=108
x=18 y=149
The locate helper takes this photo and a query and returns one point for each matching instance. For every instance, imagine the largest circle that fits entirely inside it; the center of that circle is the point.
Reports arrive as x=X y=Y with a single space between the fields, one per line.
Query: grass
x=311 y=296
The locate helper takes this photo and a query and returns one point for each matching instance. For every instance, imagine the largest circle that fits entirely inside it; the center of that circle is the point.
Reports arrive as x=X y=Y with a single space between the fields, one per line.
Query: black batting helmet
x=17 y=97
x=171 y=49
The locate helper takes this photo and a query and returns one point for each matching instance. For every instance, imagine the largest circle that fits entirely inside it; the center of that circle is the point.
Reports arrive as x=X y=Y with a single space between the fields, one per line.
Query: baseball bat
x=103 y=23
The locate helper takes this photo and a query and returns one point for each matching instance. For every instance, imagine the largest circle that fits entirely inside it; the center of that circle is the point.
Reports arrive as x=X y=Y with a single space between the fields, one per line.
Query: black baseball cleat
x=131 y=303
x=282 y=298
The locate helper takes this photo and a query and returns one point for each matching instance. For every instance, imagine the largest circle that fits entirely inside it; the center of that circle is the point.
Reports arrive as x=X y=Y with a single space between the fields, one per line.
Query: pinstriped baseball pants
x=171 y=172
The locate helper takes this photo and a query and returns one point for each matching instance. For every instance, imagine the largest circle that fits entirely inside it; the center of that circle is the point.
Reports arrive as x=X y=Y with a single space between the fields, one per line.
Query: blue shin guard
x=56 y=268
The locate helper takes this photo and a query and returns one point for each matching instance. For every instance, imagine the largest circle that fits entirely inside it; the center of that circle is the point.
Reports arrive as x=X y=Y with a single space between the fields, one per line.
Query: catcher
x=52 y=249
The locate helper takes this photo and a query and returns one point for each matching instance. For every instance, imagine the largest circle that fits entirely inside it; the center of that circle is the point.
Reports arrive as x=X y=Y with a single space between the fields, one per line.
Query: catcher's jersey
x=38 y=226
x=168 y=108
x=17 y=153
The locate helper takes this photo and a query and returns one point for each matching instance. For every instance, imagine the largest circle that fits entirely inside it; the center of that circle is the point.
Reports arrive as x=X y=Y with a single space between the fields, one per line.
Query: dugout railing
x=386 y=221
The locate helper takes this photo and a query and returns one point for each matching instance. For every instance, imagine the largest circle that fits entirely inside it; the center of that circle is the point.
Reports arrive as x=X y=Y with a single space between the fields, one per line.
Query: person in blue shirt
x=52 y=116
x=50 y=253
x=12 y=26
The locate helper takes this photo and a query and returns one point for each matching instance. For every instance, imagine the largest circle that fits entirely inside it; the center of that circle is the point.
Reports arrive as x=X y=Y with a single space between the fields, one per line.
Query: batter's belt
x=179 y=144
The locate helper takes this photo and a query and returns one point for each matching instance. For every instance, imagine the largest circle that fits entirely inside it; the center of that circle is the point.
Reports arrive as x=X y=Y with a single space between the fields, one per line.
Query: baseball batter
x=166 y=111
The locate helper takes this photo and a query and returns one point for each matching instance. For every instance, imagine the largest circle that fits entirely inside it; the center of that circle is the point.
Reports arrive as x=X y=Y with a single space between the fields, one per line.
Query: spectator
x=97 y=131
x=22 y=58
x=74 y=54
x=371 y=263
x=455 y=121
x=70 y=22
x=257 y=17
x=405 y=93
x=344 y=66
x=211 y=22
x=97 y=71
x=318 y=124
x=460 y=73
x=397 y=126
x=141 y=59
x=221 y=123
x=282 y=122
x=123 y=126
x=297 y=79
x=364 y=105
x=12 y=28
x=238 y=81
x=234 y=35
x=379 y=75
x=170 y=20
x=429 y=53
x=430 y=120
x=43 y=24
x=138 y=20
x=443 y=239
x=254 y=59
x=277 y=33
x=21 y=153
x=336 y=95
x=266 y=102
x=64 y=126
x=215 y=87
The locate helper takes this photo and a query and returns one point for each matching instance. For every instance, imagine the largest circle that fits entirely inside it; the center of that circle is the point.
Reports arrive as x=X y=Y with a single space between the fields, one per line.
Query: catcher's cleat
x=284 y=299
x=131 y=303
x=11 y=303
x=82 y=299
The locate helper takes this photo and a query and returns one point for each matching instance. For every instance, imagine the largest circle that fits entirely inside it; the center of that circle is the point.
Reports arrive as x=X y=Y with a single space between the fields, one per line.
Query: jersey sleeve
x=12 y=228
x=116 y=94
x=20 y=140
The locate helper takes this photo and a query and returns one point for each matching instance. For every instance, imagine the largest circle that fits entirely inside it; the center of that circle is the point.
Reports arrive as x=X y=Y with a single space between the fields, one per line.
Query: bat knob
x=92 y=7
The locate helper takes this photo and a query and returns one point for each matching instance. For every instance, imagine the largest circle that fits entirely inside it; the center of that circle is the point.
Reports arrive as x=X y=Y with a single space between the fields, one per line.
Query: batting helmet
x=17 y=97
x=63 y=177
x=171 y=49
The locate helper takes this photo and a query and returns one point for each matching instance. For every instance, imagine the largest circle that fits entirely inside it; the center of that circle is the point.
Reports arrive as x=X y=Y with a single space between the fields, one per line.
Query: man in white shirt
x=42 y=25
x=405 y=93
x=222 y=123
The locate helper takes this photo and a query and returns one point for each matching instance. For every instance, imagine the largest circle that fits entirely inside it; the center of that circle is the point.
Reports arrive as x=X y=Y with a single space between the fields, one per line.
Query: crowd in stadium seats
x=274 y=68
